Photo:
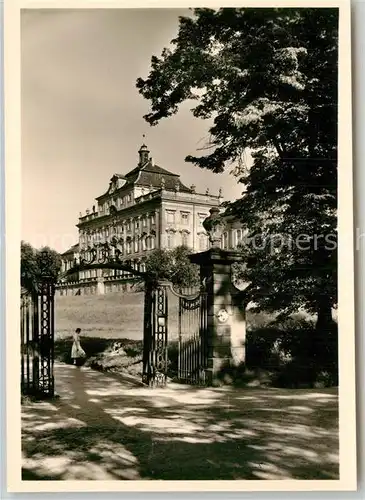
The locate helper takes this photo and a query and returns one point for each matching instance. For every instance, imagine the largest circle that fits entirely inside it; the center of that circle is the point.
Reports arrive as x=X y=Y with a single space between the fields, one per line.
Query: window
x=150 y=242
x=129 y=197
x=202 y=217
x=184 y=218
x=136 y=224
x=152 y=218
x=128 y=225
x=184 y=239
x=225 y=240
x=129 y=247
x=170 y=217
x=238 y=237
x=170 y=240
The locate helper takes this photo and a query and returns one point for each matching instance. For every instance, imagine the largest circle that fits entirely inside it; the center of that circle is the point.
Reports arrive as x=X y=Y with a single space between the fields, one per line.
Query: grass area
x=118 y=316
x=112 y=334
x=112 y=316
x=111 y=330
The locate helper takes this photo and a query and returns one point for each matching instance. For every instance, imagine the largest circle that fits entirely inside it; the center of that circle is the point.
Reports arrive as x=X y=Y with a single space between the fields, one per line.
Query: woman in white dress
x=77 y=351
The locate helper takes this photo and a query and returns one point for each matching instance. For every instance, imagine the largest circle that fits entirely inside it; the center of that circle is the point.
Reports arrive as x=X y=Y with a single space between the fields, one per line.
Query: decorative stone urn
x=214 y=226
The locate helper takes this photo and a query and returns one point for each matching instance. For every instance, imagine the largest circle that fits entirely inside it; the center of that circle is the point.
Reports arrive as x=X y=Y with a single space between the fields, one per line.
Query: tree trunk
x=321 y=338
x=324 y=315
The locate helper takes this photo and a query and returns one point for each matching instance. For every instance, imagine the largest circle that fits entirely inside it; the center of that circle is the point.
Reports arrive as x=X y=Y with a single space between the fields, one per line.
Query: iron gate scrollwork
x=37 y=335
x=155 y=335
x=29 y=341
x=192 y=349
x=46 y=337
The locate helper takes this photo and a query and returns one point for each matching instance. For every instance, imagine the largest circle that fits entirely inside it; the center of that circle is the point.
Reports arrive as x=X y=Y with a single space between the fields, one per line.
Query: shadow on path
x=108 y=428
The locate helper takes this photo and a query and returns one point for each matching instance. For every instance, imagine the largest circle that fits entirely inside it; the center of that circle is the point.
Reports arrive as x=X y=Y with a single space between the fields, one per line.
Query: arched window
x=184 y=239
x=225 y=240
x=170 y=240
x=238 y=237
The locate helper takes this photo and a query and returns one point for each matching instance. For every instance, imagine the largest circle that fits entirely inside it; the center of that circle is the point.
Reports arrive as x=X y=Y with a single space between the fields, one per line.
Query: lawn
x=114 y=315
x=107 y=321
x=112 y=334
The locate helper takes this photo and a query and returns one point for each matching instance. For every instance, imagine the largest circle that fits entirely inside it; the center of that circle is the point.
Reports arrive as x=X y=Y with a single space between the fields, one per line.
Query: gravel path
x=104 y=427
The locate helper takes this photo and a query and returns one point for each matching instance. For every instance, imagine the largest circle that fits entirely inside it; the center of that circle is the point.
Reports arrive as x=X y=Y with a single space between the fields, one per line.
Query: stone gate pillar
x=225 y=334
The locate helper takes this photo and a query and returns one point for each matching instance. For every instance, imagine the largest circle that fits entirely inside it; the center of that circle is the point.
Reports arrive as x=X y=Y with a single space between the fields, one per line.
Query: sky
x=82 y=116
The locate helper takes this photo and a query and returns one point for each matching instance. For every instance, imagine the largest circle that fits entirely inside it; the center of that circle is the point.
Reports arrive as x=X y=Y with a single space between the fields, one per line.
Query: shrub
x=292 y=351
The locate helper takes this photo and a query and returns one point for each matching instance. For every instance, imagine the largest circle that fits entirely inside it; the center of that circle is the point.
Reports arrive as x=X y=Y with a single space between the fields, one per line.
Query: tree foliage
x=172 y=265
x=266 y=79
x=28 y=266
x=35 y=263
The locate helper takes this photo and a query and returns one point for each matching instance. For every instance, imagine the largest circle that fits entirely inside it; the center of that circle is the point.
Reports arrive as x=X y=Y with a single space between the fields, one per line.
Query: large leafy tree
x=35 y=263
x=266 y=79
x=172 y=265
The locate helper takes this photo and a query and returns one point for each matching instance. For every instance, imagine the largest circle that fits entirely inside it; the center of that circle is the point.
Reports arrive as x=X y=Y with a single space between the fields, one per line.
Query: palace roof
x=153 y=175
x=72 y=250
x=149 y=175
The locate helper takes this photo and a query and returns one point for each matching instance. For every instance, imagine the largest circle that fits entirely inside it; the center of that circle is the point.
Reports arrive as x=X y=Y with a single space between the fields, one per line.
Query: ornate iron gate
x=155 y=335
x=29 y=339
x=192 y=327
x=192 y=354
x=37 y=340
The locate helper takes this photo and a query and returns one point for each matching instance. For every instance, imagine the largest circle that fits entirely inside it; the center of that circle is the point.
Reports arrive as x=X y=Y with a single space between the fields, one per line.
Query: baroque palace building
x=147 y=208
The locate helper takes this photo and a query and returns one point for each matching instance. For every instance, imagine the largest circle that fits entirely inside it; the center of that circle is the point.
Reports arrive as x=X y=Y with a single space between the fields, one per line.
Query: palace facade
x=147 y=208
